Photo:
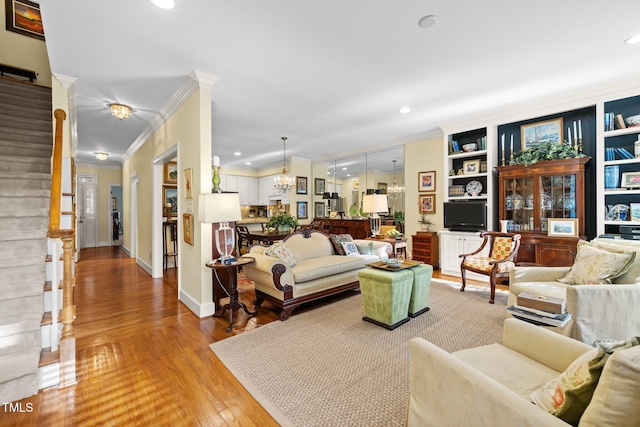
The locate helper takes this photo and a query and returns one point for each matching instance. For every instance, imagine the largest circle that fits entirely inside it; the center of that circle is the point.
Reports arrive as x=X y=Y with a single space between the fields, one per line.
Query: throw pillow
x=281 y=251
x=336 y=241
x=502 y=247
x=350 y=248
x=365 y=249
x=597 y=266
x=568 y=396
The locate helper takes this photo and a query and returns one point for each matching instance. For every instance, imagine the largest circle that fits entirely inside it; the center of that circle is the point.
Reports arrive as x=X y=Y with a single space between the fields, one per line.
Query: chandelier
x=395 y=191
x=120 y=111
x=283 y=183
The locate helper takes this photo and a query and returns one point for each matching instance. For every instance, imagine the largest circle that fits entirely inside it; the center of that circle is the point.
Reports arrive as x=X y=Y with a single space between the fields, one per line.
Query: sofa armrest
x=536 y=274
x=381 y=249
x=444 y=390
x=604 y=311
x=262 y=273
x=542 y=345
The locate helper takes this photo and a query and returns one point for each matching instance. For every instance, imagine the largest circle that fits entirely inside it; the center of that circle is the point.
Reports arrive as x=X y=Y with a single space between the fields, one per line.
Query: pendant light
x=283 y=183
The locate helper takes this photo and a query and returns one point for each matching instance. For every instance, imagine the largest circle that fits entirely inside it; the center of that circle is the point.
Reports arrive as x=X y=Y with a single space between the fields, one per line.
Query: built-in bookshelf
x=621 y=196
x=466 y=166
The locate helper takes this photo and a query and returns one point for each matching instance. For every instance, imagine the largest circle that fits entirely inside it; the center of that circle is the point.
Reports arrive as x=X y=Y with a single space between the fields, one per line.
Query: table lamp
x=374 y=203
x=221 y=208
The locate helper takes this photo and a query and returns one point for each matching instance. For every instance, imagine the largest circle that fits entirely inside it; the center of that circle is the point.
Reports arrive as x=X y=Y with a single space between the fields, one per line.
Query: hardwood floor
x=143 y=357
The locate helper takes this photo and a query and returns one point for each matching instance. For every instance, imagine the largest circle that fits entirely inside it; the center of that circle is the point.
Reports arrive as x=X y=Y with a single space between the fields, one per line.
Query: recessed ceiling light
x=247 y=163
x=633 y=40
x=405 y=110
x=344 y=169
x=428 y=21
x=348 y=174
x=164 y=4
x=237 y=153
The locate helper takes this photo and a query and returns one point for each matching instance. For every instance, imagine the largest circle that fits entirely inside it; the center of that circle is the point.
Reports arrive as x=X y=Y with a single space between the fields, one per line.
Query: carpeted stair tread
x=21 y=306
x=16 y=122
x=24 y=89
x=20 y=372
x=20 y=289
x=33 y=102
x=27 y=136
x=11 y=235
x=25 y=175
x=22 y=111
x=19 y=148
x=25 y=193
x=21 y=248
x=12 y=261
x=14 y=274
x=9 y=163
x=20 y=212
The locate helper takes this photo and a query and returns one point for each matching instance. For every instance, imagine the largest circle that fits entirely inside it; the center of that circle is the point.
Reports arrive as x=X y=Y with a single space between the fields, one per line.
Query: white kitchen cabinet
x=252 y=191
x=266 y=189
x=455 y=243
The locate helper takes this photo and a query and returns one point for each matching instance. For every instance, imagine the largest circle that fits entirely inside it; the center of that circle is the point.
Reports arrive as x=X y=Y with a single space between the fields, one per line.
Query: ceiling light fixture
x=120 y=111
x=428 y=21
x=164 y=4
x=284 y=182
x=101 y=155
x=633 y=40
x=405 y=110
x=237 y=153
x=395 y=191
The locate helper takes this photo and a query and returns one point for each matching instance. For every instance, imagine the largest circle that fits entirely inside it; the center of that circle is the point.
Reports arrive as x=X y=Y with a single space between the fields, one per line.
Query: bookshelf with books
x=621 y=151
x=466 y=165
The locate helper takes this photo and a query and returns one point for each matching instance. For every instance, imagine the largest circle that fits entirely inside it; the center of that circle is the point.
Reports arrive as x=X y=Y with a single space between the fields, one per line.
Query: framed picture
x=356 y=184
x=170 y=198
x=470 y=167
x=171 y=173
x=303 y=213
x=301 y=185
x=188 y=178
x=427 y=203
x=320 y=209
x=319 y=186
x=187 y=228
x=427 y=181
x=535 y=133
x=635 y=211
x=564 y=227
x=23 y=17
x=631 y=180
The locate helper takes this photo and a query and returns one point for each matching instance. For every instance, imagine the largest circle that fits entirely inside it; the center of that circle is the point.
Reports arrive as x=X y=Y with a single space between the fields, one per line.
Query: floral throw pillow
x=350 y=248
x=568 y=396
x=281 y=251
x=597 y=266
x=337 y=240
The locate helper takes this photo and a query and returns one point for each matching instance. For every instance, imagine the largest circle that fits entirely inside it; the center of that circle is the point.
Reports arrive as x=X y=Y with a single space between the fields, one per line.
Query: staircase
x=26 y=140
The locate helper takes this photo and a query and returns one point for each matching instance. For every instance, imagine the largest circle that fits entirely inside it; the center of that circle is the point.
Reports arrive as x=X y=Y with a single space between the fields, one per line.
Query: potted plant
x=283 y=222
x=425 y=223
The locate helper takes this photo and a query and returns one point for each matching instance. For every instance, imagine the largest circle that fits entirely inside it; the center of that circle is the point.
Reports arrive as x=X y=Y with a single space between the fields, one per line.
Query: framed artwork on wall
x=302 y=211
x=382 y=188
x=427 y=203
x=301 y=185
x=319 y=186
x=187 y=228
x=23 y=17
x=170 y=199
x=320 y=209
x=171 y=173
x=546 y=131
x=188 y=178
x=427 y=181
x=566 y=227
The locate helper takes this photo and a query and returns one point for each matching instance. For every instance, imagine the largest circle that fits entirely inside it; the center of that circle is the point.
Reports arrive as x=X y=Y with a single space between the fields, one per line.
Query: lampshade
x=374 y=203
x=326 y=195
x=334 y=196
x=219 y=207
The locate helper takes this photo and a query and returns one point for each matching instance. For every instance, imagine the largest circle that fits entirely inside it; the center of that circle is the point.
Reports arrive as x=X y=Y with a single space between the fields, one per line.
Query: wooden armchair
x=243 y=239
x=501 y=259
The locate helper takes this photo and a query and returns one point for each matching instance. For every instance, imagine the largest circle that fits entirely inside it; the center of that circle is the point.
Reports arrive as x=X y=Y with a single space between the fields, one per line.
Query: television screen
x=468 y=215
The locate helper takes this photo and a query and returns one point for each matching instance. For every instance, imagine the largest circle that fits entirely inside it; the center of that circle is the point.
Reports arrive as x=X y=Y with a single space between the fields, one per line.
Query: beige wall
x=421 y=157
x=24 y=52
x=190 y=129
x=106 y=177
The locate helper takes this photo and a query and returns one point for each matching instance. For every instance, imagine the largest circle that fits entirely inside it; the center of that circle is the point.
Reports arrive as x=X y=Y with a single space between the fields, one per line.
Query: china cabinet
x=531 y=197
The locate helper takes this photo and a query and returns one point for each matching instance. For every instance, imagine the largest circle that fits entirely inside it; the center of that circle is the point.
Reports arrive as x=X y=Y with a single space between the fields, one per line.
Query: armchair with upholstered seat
x=501 y=259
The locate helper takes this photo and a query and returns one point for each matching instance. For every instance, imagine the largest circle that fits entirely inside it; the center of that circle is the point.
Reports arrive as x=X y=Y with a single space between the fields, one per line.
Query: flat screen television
x=465 y=215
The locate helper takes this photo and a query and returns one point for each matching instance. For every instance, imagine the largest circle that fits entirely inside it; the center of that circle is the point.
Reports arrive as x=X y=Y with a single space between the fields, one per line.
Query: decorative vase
x=503 y=225
x=425 y=227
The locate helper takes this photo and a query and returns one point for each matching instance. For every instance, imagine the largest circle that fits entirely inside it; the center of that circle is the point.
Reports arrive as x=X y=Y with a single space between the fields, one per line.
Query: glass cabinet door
x=558 y=196
x=519 y=203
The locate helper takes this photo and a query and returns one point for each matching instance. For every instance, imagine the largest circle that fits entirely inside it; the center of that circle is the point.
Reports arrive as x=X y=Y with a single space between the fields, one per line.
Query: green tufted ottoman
x=386 y=296
x=420 y=292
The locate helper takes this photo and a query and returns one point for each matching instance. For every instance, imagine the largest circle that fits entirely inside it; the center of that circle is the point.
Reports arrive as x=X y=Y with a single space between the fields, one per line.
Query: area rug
x=328 y=367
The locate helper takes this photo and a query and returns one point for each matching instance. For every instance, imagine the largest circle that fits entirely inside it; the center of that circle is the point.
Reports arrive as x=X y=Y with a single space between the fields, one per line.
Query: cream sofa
x=318 y=271
x=598 y=311
x=490 y=385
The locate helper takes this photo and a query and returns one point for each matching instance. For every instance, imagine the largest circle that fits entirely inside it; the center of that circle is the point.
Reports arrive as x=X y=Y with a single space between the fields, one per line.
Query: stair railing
x=68 y=311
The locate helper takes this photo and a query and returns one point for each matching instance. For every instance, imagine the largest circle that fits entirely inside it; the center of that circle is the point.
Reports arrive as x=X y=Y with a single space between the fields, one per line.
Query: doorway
x=115 y=220
x=87 y=210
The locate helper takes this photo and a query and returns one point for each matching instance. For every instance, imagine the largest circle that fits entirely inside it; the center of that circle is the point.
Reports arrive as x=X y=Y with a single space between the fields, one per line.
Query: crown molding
x=71 y=85
x=195 y=80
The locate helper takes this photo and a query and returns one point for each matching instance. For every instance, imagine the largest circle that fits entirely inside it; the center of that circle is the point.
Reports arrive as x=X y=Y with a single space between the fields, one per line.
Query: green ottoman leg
x=386 y=296
x=420 y=292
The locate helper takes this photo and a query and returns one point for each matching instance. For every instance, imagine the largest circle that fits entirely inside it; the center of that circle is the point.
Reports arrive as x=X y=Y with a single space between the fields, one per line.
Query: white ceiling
x=330 y=75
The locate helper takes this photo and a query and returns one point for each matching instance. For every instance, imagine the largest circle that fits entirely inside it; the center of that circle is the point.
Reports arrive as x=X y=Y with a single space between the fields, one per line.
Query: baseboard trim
x=126 y=250
x=200 y=310
x=146 y=267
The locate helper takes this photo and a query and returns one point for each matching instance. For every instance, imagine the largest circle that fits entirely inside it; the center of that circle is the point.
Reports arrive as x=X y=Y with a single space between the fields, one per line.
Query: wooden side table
x=425 y=248
x=232 y=273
